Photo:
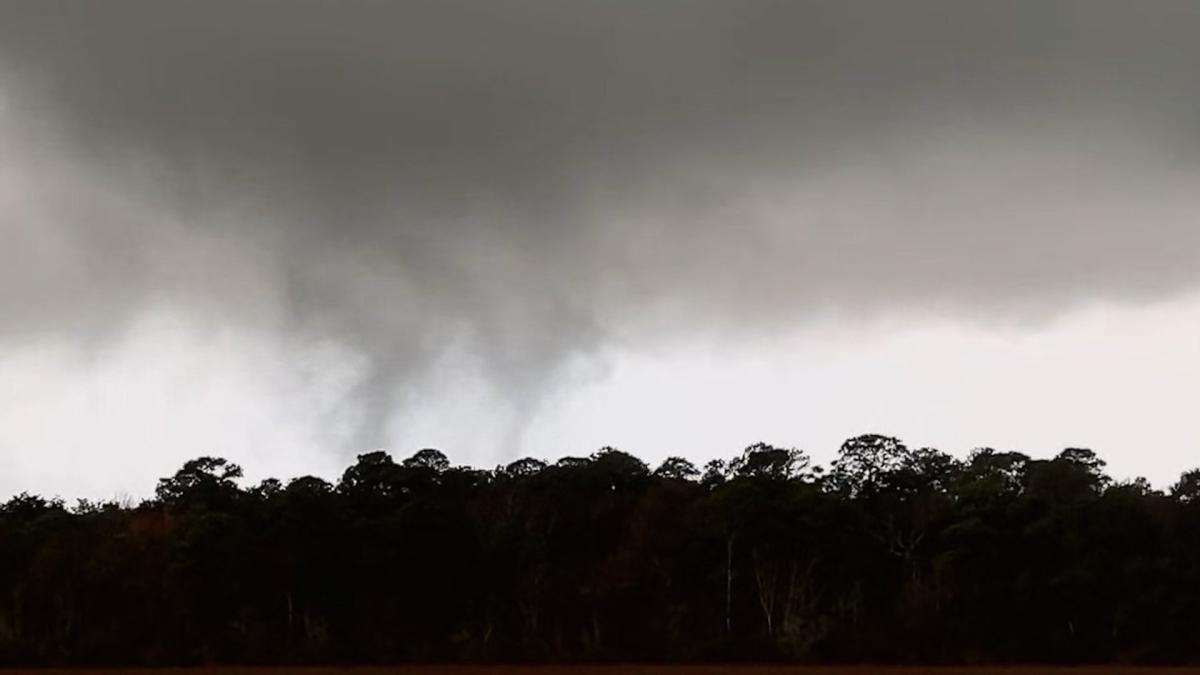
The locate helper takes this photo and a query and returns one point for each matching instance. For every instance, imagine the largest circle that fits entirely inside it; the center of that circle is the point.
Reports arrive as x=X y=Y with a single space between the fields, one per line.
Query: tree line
x=889 y=555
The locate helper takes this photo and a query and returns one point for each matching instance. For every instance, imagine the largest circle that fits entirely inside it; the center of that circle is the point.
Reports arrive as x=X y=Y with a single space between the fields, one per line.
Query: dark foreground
x=892 y=555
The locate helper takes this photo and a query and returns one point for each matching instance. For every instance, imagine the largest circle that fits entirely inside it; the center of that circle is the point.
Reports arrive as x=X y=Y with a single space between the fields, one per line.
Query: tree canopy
x=892 y=555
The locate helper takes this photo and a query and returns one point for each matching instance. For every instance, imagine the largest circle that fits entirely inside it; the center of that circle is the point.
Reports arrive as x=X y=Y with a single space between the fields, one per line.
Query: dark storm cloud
x=531 y=181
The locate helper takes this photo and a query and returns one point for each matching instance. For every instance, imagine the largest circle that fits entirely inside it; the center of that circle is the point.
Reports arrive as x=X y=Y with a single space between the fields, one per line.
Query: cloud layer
x=522 y=186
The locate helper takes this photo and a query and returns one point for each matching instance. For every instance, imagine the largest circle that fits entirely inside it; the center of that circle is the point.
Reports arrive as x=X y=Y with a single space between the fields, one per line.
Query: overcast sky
x=287 y=232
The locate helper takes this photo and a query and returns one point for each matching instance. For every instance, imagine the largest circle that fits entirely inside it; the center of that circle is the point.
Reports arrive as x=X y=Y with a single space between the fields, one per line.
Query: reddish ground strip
x=621 y=670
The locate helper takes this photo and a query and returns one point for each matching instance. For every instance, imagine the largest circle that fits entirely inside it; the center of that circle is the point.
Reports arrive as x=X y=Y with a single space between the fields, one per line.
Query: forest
x=888 y=555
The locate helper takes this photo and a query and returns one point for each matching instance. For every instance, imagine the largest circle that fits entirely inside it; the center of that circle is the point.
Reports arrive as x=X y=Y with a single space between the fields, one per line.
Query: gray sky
x=287 y=232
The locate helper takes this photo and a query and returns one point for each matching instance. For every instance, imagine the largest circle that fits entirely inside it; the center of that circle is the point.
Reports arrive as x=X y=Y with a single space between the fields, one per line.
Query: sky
x=287 y=232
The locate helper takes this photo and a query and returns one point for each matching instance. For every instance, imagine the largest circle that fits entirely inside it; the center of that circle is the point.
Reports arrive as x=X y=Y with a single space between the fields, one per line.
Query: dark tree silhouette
x=677 y=468
x=204 y=482
x=893 y=555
